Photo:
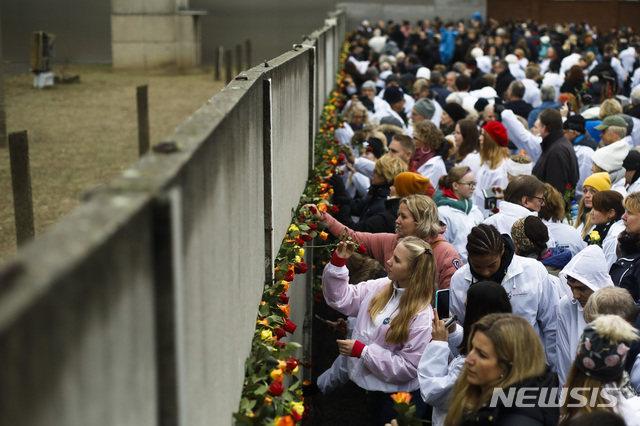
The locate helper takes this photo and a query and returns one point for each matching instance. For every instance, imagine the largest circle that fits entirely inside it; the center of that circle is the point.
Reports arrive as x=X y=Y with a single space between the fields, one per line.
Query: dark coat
x=625 y=272
x=503 y=80
x=634 y=112
x=557 y=164
x=519 y=107
x=522 y=416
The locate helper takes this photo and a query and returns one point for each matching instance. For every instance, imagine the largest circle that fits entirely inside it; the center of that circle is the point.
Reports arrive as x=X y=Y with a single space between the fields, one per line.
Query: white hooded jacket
x=530 y=291
x=588 y=268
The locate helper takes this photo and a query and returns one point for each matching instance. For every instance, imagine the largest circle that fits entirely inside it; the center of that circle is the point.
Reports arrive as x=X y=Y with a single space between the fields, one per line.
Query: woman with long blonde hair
x=504 y=353
x=493 y=158
x=393 y=322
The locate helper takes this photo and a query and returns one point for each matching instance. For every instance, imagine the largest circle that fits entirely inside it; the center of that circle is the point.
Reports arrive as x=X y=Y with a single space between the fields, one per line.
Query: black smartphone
x=442 y=303
x=490 y=200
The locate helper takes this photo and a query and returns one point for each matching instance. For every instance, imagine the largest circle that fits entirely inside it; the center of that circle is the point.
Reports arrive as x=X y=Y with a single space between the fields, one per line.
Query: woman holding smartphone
x=393 y=322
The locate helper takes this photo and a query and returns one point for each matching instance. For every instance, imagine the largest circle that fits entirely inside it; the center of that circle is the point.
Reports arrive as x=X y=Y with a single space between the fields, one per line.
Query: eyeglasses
x=539 y=198
x=471 y=184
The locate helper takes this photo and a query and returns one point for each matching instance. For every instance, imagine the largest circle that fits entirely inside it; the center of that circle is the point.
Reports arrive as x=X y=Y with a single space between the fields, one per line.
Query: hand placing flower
x=345 y=250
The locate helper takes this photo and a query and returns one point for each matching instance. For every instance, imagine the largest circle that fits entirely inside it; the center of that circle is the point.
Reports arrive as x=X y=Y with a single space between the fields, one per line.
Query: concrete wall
x=140 y=307
x=83 y=27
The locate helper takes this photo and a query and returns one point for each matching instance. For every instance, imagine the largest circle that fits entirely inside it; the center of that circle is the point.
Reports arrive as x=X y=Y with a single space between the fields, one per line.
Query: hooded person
x=583 y=144
x=631 y=166
x=582 y=276
x=609 y=159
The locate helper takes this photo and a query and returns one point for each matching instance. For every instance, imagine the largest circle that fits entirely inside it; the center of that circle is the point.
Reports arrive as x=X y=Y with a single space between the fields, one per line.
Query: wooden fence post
x=21 y=182
x=247 y=52
x=142 y=98
x=238 y=58
x=228 y=65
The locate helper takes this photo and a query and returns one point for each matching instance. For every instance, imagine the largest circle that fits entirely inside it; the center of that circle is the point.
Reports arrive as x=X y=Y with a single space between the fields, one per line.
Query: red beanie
x=498 y=132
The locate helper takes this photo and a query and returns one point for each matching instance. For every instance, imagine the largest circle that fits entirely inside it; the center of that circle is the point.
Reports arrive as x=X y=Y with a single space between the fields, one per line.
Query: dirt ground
x=85 y=134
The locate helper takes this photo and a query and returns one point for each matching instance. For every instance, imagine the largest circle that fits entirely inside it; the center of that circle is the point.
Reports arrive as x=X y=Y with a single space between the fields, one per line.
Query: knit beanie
x=610 y=157
x=369 y=85
x=423 y=72
x=498 y=132
x=632 y=162
x=425 y=108
x=575 y=122
x=408 y=183
x=600 y=181
x=393 y=94
x=455 y=111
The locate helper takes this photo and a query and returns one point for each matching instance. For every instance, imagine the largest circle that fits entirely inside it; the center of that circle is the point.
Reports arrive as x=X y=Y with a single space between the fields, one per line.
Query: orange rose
x=401 y=397
x=286 y=285
x=285 y=309
x=324 y=236
x=284 y=421
x=322 y=207
x=277 y=376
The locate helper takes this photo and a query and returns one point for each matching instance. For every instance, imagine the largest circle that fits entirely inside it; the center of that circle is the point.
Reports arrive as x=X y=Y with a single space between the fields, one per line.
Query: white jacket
x=611 y=242
x=532 y=296
x=437 y=374
x=433 y=169
x=521 y=137
x=585 y=267
x=487 y=178
x=565 y=236
x=508 y=214
x=531 y=92
x=635 y=186
x=584 y=154
x=472 y=161
x=459 y=225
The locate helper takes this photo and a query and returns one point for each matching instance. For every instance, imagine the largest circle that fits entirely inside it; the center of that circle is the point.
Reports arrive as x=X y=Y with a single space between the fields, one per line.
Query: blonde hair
x=417 y=295
x=357 y=106
x=520 y=354
x=632 y=203
x=389 y=167
x=491 y=152
x=609 y=107
x=583 y=212
x=429 y=134
x=425 y=214
x=611 y=300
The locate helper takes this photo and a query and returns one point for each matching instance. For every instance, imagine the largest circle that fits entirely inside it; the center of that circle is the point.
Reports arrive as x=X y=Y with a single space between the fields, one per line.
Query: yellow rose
x=266 y=335
x=298 y=407
x=293 y=228
x=298 y=259
x=594 y=235
x=301 y=252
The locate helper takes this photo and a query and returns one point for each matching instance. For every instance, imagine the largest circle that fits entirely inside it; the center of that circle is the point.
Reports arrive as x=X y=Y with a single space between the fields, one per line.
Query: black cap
x=632 y=161
x=376 y=146
x=393 y=94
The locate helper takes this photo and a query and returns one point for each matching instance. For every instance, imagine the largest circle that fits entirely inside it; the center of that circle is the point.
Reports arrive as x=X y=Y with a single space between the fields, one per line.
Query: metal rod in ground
x=228 y=66
x=21 y=182
x=219 y=63
x=247 y=52
x=142 y=98
x=238 y=58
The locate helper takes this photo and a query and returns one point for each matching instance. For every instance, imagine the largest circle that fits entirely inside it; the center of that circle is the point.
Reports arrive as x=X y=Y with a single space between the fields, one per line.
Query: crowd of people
x=500 y=163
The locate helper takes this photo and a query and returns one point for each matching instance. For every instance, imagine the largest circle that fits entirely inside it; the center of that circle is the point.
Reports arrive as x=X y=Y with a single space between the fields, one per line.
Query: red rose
x=283 y=299
x=495 y=210
x=334 y=209
x=362 y=249
x=275 y=389
x=313 y=226
x=281 y=344
x=306 y=237
x=300 y=241
x=288 y=326
x=568 y=186
x=280 y=333
x=300 y=268
x=340 y=158
x=289 y=276
x=296 y=417
x=313 y=210
x=318 y=297
x=292 y=363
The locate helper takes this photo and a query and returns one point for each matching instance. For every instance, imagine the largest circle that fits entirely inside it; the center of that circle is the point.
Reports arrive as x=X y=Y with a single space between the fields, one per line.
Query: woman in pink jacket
x=417 y=217
x=393 y=323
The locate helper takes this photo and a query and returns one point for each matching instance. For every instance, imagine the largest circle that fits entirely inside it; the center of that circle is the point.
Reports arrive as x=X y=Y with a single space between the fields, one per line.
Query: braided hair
x=484 y=240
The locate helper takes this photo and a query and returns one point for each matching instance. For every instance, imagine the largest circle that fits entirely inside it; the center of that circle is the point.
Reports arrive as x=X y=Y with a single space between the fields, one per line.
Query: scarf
x=505 y=261
x=420 y=157
x=447 y=198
